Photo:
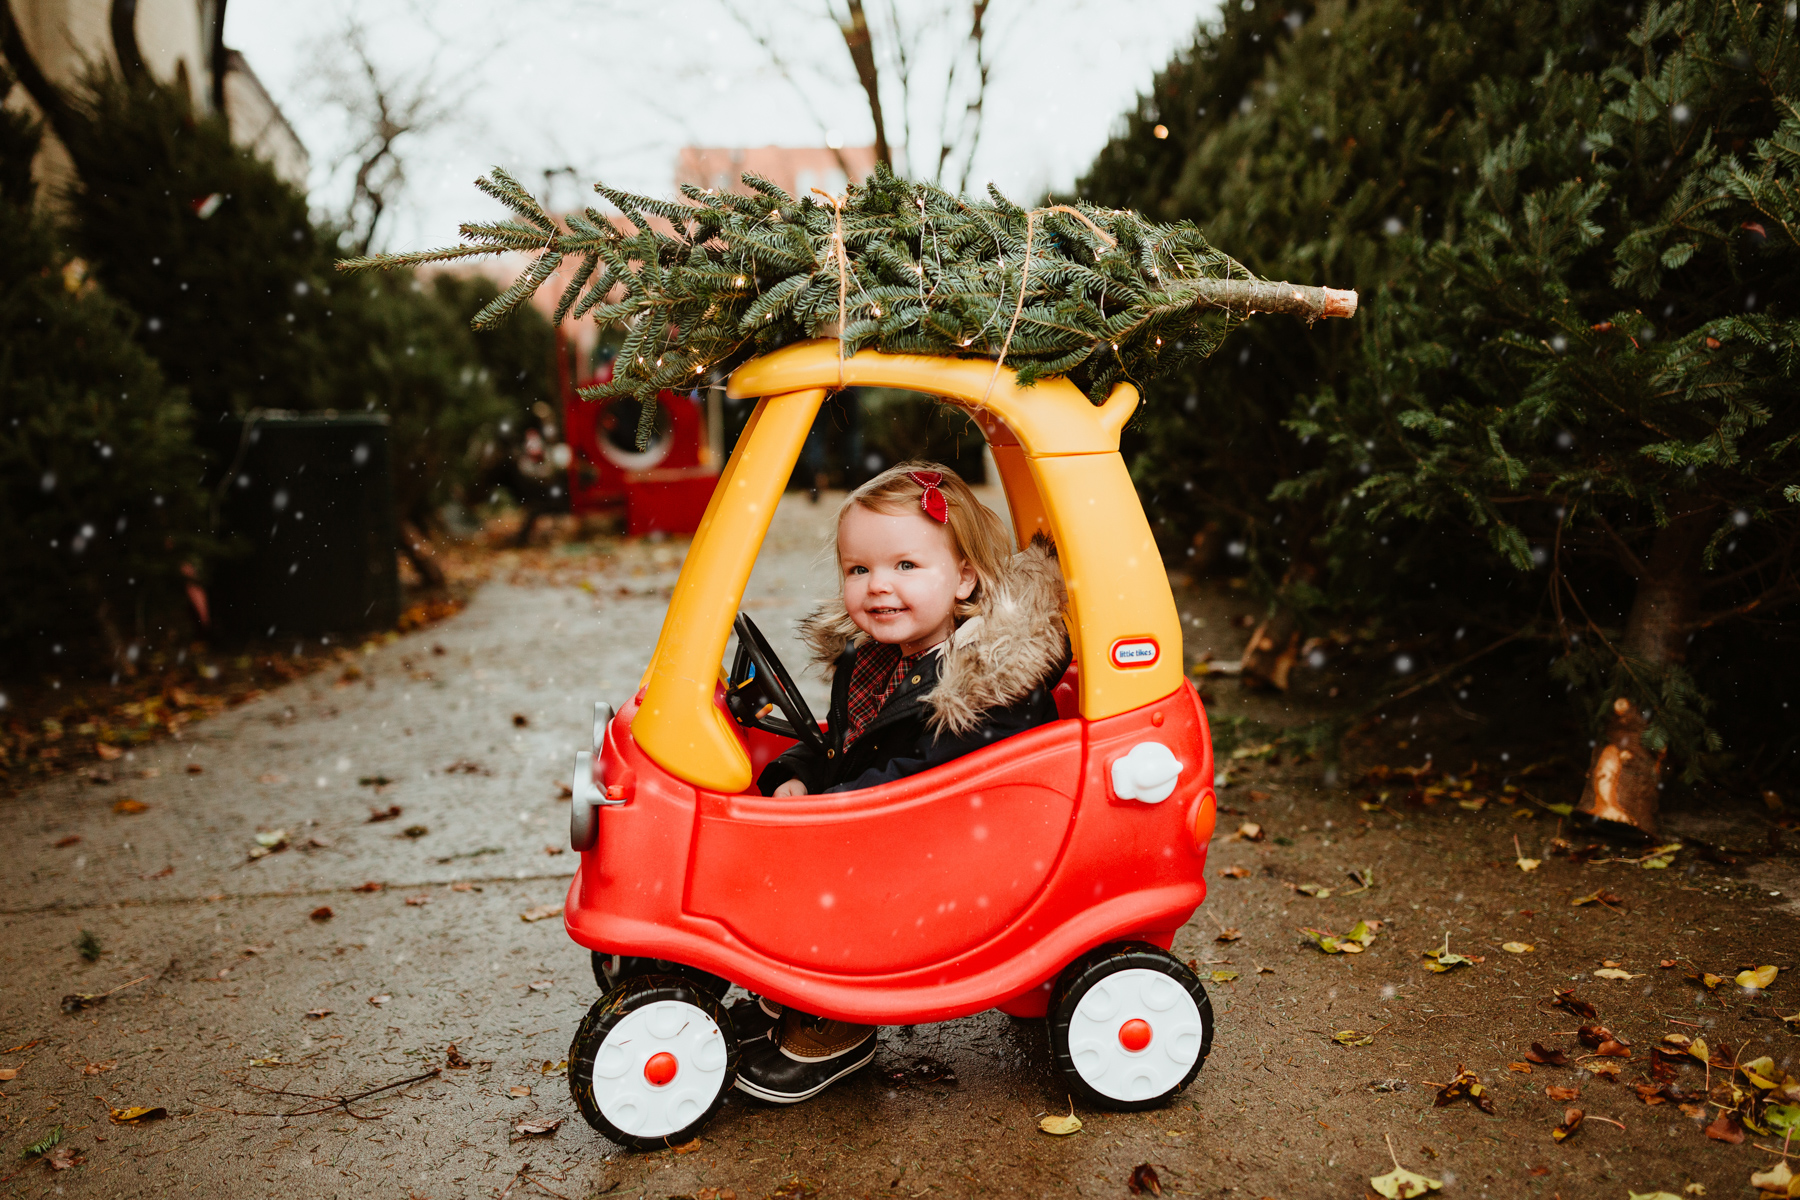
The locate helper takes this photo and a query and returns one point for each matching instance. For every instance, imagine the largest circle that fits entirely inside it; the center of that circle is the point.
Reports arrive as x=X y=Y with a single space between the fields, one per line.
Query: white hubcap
x=623 y=1073
x=1113 y=1050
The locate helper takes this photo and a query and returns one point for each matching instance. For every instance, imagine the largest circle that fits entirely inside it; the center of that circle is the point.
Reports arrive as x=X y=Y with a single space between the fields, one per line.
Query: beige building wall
x=794 y=169
x=173 y=41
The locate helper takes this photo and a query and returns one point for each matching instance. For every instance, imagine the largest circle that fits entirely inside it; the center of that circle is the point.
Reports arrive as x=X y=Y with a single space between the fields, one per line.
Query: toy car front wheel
x=1130 y=1026
x=652 y=1061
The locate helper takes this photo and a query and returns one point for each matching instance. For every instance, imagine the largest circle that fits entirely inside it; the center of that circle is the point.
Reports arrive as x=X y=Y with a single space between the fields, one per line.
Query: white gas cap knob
x=1147 y=773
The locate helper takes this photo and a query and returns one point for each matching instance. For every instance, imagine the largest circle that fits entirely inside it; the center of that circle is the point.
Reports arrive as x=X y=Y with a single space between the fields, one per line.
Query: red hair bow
x=932 y=499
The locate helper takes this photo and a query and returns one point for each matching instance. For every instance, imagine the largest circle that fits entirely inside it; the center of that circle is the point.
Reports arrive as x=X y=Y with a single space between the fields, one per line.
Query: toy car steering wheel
x=759 y=683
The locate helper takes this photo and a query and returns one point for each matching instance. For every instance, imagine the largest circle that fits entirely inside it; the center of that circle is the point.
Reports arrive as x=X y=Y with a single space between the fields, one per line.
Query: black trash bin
x=308 y=507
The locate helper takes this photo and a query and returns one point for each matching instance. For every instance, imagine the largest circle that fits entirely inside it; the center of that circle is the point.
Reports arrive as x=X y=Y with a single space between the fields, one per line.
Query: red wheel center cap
x=1134 y=1034
x=662 y=1067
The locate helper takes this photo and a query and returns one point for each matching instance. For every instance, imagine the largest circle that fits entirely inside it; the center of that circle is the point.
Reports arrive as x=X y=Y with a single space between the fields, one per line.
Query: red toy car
x=1045 y=875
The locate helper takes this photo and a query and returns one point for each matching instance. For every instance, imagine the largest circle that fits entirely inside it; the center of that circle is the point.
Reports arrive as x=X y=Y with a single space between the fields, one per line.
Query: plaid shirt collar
x=876 y=675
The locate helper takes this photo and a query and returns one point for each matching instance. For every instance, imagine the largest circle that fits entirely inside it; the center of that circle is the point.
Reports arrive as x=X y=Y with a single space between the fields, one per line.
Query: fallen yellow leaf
x=1615 y=973
x=127 y=1116
x=1061 y=1126
x=1518 y=947
x=1760 y=978
x=1778 y=1179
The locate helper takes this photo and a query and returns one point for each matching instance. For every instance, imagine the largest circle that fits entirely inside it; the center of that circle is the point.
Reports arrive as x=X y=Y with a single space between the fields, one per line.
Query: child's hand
x=792 y=787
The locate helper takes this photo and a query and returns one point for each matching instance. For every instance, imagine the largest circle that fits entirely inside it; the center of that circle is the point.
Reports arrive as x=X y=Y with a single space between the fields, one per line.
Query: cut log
x=1294 y=299
x=1620 y=796
x=1625 y=777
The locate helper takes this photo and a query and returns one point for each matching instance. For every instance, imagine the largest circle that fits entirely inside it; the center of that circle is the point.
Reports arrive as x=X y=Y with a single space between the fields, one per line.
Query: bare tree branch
x=973 y=111
x=781 y=66
x=861 y=45
x=382 y=110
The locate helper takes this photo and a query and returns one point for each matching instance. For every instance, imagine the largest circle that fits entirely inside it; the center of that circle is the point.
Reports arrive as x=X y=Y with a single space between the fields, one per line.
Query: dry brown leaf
x=536 y=1128
x=322 y=913
x=1144 y=1179
x=1540 y=1054
x=1249 y=831
x=454 y=1060
x=1572 y=1118
x=1229 y=935
x=370 y=886
x=417 y=901
x=1565 y=998
x=1562 y=1094
x=1466 y=1085
x=380 y=1000
x=129 y=807
x=100 y=1068
x=1236 y=872
x=318 y=1014
x=1522 y=1068
x=1726 y=1128
x=8 y=1074
x=518 y=1091
x=541 y=912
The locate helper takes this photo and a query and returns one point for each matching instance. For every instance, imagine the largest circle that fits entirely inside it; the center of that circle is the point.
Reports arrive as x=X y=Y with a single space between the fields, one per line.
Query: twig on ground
x=333 y=1102
x=507 y=1190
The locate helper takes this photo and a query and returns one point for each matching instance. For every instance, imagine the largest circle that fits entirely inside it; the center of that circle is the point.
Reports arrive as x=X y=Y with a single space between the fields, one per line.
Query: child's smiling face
x=902 y=577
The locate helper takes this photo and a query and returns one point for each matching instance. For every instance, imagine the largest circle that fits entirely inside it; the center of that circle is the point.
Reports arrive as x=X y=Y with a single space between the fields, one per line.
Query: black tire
x=1158 y=1076
x=710 y=1053
x=632 y=966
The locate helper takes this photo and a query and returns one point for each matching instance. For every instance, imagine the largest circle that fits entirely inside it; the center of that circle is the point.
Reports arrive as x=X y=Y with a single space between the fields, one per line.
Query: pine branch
x=1098 y=294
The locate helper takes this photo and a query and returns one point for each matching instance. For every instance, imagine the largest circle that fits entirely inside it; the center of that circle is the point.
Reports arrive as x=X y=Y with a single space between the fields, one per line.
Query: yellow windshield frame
x=1059 y=462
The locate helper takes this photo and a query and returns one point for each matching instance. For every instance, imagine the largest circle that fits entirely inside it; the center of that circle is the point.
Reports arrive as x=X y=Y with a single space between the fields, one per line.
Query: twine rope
x=1025 y=277
x=843 y=261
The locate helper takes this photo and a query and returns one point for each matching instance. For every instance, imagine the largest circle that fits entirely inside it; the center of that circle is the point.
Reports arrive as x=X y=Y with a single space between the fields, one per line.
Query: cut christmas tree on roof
x=1097 y=294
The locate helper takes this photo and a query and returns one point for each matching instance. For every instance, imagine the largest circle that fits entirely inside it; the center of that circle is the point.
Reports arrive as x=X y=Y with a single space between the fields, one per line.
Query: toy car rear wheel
x=653 y=1060
x=1130 y=1026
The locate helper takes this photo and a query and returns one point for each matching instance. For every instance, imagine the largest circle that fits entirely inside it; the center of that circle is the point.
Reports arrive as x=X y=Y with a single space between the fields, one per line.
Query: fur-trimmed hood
x=994 y=658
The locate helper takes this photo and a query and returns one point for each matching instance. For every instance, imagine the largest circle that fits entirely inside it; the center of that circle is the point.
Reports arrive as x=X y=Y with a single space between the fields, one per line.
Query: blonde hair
x=977 y=534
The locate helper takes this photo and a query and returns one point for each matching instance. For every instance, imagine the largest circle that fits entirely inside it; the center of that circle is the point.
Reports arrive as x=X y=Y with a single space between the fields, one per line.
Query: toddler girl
x=942 y=642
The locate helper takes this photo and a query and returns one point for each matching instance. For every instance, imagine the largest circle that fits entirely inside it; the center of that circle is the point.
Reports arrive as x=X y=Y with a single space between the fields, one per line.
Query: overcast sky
x=613 y=90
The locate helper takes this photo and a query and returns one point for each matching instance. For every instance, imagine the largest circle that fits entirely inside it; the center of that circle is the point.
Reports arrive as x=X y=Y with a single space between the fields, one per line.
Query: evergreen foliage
x=409 y=353
x=1599 y=351
x=236 y=300
x=1572 y=226
x=1108 y=295
x=99 y=497
x=241 y=305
